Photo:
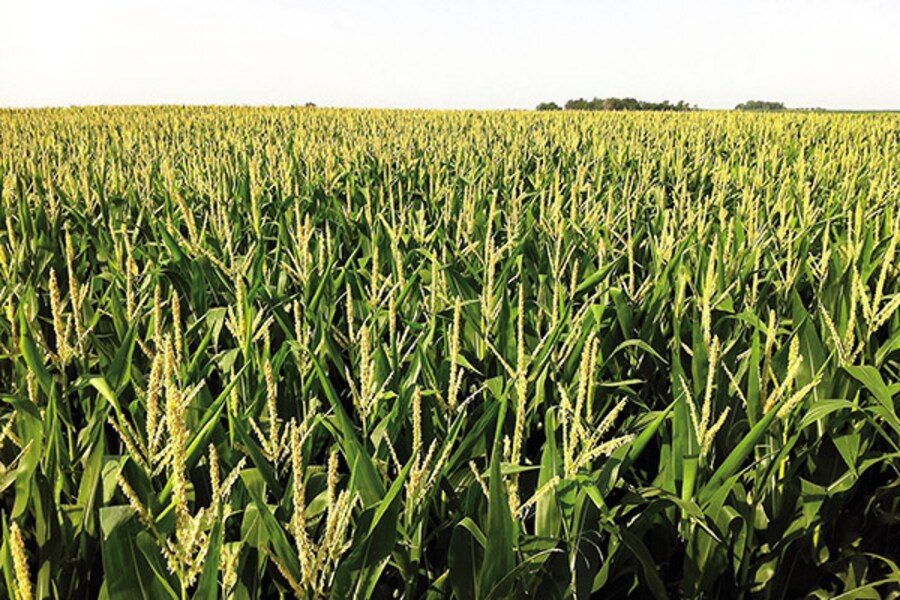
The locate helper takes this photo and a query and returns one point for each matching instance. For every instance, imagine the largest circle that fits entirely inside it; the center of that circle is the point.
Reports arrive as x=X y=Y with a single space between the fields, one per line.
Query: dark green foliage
x=454 y=354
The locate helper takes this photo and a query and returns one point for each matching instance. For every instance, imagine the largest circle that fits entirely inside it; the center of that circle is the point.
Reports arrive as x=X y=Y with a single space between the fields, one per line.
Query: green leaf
x=499 y=554
x=128 y=576
x=648 y=567
x=370 y=487
x=547 y=518
x=150 y=550
x=735 y=459
x=871 y=378
x=464 y=559
x=101 y=385
x=373 y=541
x=822 y=409
x=33 y=357
x=119 y=370
x=637 y=446
x=277 y=537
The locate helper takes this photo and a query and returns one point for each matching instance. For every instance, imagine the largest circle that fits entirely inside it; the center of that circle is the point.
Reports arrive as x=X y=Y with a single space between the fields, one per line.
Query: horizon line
x=313 y=105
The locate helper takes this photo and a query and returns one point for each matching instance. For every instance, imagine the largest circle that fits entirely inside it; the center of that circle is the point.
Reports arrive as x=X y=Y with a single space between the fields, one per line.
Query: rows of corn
x=302 y=352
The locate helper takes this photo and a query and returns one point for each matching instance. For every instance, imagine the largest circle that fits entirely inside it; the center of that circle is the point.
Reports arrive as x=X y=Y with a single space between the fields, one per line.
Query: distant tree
x=763 y=105
x=577 y=104
x=548 y=106
x=310 y=105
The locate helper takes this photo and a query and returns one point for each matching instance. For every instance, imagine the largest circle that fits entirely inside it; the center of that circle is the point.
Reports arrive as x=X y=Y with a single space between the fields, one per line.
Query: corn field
x=261 y=353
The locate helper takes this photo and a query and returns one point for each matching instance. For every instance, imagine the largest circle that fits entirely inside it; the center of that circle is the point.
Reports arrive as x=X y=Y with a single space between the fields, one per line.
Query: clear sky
x=451 y=54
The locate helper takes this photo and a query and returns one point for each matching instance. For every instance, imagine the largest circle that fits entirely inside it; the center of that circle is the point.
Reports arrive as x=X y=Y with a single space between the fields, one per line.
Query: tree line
x=634 y=104
x=760 y=105
x=616 y=104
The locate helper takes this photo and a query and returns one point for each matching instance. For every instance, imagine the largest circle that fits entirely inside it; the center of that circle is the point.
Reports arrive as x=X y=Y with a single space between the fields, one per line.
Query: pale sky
x=460 y=54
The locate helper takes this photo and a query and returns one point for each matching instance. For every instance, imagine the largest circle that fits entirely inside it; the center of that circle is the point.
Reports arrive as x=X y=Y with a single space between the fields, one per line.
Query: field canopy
x=252 y=351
